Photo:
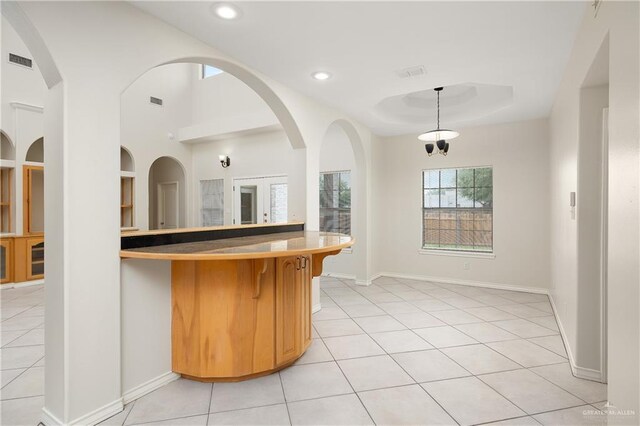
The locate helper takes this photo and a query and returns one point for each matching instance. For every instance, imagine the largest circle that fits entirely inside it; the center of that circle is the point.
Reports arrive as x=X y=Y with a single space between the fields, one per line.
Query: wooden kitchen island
x=240 y=296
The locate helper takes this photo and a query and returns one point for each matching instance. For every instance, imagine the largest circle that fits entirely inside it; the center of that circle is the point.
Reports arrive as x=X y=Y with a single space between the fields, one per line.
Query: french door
x=260 y=200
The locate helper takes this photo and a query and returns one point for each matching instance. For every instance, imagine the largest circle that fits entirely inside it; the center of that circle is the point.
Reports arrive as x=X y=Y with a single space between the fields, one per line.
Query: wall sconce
x=224 y=160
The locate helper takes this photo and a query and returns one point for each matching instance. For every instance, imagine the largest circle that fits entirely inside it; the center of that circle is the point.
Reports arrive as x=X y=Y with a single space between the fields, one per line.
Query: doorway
x=167 y=194
x=260 y=200
x=168 y=205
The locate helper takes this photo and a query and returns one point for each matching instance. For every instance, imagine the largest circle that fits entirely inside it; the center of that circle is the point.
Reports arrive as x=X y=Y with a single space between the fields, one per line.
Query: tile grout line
x=484 y=344
x=405 y=371
x=349 y=382
x=284 y=397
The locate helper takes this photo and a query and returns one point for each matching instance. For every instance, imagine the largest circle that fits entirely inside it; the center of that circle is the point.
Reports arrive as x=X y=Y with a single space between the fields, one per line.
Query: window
x=335 y=202
x=209 y=71
x=212 y=201
x=458 y=209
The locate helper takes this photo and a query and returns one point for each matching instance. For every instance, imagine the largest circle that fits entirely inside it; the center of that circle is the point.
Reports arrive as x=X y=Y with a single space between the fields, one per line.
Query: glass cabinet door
x=36 y=258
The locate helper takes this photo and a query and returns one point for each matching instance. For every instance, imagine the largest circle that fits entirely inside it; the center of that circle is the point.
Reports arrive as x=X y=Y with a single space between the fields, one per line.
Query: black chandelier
x=439 y=136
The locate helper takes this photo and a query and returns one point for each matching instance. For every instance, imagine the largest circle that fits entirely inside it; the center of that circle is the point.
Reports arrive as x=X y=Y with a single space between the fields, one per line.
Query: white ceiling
x=523 y=46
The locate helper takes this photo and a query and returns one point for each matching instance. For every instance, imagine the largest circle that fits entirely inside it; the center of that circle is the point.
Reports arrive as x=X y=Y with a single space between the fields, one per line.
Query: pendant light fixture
x=439 y=136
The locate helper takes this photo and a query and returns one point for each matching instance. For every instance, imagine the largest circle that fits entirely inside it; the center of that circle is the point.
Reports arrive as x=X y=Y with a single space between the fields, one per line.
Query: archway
x=258 y=85
x=167 y=194
x=35 y=153
x=7 y=148
x=127 y=163
x=343 y=170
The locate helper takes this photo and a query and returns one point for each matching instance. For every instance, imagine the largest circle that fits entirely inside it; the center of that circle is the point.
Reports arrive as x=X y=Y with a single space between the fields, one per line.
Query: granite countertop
x=249 y=247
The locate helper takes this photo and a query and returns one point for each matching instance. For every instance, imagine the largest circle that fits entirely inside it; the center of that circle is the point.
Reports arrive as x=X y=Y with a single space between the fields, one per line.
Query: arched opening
x=35 y=153
x=180 y=110
x=337 y=168
x=167 y=194
x=343 y=196
x=7 y=148
x=126 y=160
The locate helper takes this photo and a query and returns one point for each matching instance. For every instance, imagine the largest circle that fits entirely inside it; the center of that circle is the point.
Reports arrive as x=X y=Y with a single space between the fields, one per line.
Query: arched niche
x=35 y=153
x=126 y=160
x=167 y=194
x=7 y=149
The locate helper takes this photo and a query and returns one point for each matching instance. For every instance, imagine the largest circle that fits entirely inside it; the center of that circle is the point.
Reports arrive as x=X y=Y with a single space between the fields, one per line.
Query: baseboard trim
x=92 y=418
x=456 y=281
x=22 y=284
x=49 y=419
x=339 y=275
x=149 y=386
x=316 y=308
x=364 y=283
x=576 y=370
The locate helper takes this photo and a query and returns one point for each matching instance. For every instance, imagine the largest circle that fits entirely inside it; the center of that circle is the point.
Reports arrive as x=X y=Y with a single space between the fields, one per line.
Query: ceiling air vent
x=417 y=71
x=156 y=101
x=20 y=60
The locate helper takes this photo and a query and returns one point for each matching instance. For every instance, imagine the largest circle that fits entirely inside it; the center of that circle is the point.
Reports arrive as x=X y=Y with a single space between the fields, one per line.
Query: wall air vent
x=417 y=71
x=156 y=101
x=20 y=60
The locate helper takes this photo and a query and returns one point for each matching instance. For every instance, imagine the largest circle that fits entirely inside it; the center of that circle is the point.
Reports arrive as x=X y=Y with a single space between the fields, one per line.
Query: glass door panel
x=260 y=200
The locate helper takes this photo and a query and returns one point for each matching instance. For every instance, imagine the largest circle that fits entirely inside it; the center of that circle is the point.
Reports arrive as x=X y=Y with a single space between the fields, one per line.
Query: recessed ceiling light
x=321 y=75
x=226 y=10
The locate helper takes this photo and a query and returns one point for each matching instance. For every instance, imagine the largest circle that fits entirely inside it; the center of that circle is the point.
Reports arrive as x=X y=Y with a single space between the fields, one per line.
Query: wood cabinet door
x=288 y=309
x=35 y=258
x=306 y=301
x=6 y=261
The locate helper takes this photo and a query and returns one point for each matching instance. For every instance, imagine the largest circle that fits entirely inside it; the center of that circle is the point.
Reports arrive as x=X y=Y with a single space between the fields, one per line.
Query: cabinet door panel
x=288 y=309
x=306 y=302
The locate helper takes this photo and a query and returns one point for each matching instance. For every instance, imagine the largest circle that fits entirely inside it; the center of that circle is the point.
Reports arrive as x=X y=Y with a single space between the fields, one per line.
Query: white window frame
x=455 y=252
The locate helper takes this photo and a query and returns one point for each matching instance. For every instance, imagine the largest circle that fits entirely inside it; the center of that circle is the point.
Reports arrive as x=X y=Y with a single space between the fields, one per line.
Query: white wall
x=619 y=21
x=145 y=129
x=21 y=118
x=19 y=84
x=223 y=97
x=255 y=155
x=587 y=347
x=518 y=153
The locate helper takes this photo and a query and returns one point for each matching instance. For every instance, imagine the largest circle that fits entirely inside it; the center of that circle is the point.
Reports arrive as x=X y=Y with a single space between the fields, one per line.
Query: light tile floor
x=397 y=352
x=22 y=355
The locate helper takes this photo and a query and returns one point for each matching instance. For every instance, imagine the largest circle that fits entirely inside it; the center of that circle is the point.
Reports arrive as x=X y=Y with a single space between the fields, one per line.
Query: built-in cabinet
x=22 y=258
x=126 y=201
x=6 y=189
x=6 y=261
x=238 y=319
x=33 y=199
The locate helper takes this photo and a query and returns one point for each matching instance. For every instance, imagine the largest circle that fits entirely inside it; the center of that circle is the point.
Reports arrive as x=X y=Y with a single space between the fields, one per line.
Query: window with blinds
x=335 y=202
x=457 y=209
x=212 y=202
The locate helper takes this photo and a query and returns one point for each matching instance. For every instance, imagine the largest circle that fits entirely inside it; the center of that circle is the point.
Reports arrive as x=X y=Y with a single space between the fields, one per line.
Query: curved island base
x=245 y=311
x=238 y=319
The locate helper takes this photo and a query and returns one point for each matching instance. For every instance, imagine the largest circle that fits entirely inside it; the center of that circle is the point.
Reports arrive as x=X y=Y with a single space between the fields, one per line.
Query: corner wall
x=619 y=21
